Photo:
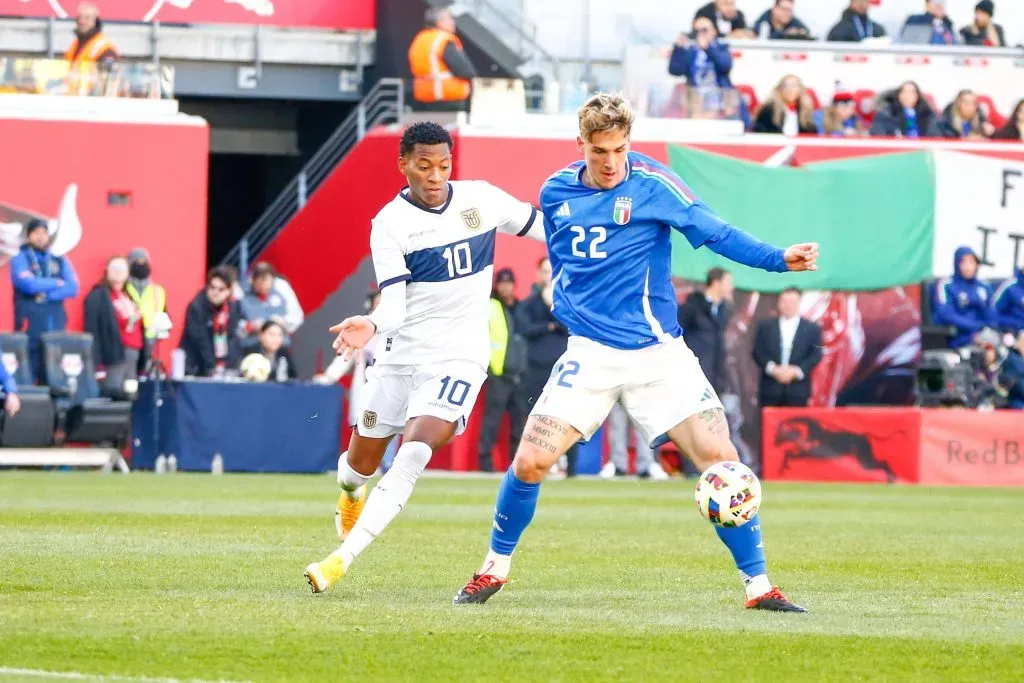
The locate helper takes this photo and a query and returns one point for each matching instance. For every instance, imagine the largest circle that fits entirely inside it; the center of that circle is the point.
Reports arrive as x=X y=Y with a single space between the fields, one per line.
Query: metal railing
x=383 y=104
x=515 y=30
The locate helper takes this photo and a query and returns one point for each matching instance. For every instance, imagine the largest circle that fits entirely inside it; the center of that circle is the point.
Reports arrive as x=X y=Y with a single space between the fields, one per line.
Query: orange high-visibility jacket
x=432 y=81
x=93 y=49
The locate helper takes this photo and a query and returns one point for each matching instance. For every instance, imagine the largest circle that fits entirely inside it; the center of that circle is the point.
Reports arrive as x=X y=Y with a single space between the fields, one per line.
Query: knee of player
x=721 y=452
x=529 y=465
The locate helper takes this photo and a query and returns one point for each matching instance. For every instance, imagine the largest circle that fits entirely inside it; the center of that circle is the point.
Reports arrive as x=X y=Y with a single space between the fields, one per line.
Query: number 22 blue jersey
x=611 y=254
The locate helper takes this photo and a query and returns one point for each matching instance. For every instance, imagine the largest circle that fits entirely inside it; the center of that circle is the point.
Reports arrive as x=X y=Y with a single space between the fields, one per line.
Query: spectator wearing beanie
x=984 y=31
x=42 y=283
x=150 y=297
x=840 y=119
x=903 y=113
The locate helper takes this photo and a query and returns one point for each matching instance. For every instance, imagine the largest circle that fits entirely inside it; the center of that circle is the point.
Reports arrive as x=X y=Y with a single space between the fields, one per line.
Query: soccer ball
x=255 y=367
x=728 y=494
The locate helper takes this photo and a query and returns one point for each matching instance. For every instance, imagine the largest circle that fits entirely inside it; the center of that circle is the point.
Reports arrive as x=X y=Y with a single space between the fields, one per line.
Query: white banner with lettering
x=979 y=202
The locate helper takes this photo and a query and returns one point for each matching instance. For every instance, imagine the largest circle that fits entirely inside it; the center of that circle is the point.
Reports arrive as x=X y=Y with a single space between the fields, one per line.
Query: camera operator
x=1001 y=370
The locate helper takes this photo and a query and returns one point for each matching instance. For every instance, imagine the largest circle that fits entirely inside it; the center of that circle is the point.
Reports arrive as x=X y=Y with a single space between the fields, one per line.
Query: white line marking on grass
x=78 y=676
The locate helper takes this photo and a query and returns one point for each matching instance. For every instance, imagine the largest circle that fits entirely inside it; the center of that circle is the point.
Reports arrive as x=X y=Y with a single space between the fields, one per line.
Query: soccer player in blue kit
x=608 y=220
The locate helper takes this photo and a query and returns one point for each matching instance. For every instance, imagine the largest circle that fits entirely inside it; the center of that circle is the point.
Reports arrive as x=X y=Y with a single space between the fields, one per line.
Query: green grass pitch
x=200 y=577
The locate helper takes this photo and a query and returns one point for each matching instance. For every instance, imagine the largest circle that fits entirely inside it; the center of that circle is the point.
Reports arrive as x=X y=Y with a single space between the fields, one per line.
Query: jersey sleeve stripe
x=529 y=223
x=679 y=189
x=394 y=280
x=1002 y=289
x=571 y=169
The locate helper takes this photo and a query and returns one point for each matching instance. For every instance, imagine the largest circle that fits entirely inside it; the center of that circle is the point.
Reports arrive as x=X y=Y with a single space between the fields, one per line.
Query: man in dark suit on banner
x=787 y=348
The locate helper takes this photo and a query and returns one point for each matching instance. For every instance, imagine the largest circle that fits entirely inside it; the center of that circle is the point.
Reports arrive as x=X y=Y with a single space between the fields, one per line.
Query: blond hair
x=603 y=112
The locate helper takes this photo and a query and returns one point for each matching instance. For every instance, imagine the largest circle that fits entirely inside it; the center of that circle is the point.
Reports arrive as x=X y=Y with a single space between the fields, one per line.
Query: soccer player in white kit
x=433 y=253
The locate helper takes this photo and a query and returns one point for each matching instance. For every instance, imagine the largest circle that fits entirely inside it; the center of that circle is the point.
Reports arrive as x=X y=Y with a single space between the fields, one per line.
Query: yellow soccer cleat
x=347 y=512
x=325 y=573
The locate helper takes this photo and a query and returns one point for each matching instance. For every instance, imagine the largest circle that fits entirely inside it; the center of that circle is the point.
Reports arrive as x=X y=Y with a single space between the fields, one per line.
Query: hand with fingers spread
x=802 y=257
x=353 y=334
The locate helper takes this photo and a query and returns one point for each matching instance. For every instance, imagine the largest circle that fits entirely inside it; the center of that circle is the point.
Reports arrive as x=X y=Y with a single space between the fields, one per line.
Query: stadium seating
x=82 y=415
x=33 y=426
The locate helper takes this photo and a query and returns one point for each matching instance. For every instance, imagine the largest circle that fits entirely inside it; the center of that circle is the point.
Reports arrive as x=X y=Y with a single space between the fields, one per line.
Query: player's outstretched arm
x=356 y=332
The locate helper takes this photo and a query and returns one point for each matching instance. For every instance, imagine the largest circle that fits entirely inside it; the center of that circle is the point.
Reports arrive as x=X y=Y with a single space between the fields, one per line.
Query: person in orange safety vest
x=440 y=68
x=89 y=50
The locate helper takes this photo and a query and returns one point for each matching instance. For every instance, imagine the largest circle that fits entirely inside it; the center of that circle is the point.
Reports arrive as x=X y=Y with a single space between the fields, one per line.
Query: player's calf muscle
x=545 y=439
x=704 y=438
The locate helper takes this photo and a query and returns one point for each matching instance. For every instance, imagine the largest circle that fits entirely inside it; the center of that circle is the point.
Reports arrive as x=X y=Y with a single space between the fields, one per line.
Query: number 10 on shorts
x=456 y=391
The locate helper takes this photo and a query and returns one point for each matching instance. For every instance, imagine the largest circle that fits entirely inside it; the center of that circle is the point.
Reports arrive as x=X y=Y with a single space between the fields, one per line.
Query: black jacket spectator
x=893 y=119
x=805 y=354
x=1014 y=125
x=788 y=99
x=854 y=27
x=546 y=341
x=963 y=118
x=724 y=25
x=704 y=326
x=197 y=340
x=101 y=322
x=792 y=29
x=984 y=32
x=282 y=366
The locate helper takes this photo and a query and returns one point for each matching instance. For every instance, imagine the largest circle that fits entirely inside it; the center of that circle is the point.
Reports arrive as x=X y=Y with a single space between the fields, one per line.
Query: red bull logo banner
x=337 y=14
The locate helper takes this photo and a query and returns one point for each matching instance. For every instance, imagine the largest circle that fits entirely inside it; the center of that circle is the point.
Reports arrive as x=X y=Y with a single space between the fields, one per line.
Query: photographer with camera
x=1001 y=370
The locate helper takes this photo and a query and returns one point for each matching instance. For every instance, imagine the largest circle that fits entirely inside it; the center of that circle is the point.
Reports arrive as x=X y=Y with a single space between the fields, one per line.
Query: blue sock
x=744 y=542
x=517 y=501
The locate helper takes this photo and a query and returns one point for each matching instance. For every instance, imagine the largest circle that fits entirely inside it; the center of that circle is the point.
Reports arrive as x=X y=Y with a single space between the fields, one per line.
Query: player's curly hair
x=424 y=133
x=605 y=111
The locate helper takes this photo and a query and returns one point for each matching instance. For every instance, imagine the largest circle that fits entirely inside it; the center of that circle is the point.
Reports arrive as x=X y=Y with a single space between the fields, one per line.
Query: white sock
x=386 y=500
x=756 y=586
x=496 y=565
x=349 y=480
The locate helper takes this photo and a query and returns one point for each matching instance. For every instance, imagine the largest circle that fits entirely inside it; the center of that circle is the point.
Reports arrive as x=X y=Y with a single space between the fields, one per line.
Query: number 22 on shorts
x=569 y=370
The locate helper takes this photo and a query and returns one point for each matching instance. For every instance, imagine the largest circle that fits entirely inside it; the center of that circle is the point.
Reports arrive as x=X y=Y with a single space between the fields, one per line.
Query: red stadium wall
x=160 y=169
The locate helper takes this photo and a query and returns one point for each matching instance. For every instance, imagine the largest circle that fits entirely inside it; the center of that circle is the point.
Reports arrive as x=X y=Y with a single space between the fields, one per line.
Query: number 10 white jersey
x=446 y=257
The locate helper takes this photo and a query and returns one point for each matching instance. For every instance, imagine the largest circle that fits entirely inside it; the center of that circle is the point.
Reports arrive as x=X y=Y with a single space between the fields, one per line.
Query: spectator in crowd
x=90 y=45
x=903 y=112
x=1011 y=377
x=1014 y=127
x=963 y=118
x=726 y=19
x=706 y=63
x=787 y=349
x=508 y=362
x=12 y=404
x=441 y=71
x=780 y=23
x=270 y=297
x=704 y=317
x=357 y=362
x=855 y=25
x=789 y=110
x=212 y=323
x=546 y=341
x=963 y=300
x=619 y=435
x=1008 y=304
x=150 y=298
x=1001 y=369
x=42 y=283
x=117 y=328
x=942 y=31
x=282 y=367
x=840 y=119
x=984 y=31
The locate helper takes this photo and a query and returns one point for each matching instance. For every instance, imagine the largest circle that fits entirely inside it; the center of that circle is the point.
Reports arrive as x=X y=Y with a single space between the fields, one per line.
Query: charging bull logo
x=804 y=437
x=65 y=229
x=148 y=10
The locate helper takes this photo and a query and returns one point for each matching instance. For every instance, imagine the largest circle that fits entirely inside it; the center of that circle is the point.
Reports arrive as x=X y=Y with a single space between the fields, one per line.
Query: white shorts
x=394 y=394
x=660 y=386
